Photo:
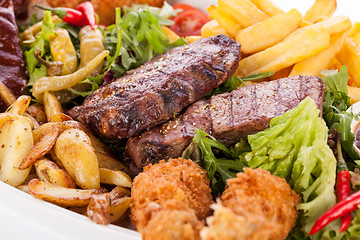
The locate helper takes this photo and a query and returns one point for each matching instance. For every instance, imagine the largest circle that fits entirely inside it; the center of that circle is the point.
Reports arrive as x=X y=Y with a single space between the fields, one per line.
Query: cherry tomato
x=184 y=7
x=189 y=21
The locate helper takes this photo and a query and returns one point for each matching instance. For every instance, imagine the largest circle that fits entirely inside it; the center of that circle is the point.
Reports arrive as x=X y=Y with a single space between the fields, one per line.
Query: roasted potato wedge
x=41 y=147
x=119 y=192
x=51 y=105
x=19 y=141
x=115 y=177
x=20 y=105
x=8 y=97
x=73 y=148
x=49 y=172
x=67 y=197
x=118 y=208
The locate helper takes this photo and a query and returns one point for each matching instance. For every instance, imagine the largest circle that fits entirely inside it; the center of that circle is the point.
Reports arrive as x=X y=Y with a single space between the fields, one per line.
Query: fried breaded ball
x=173 y=224
x=65 y=3
x=174 y=185
x=106 y=8
x=255 y=205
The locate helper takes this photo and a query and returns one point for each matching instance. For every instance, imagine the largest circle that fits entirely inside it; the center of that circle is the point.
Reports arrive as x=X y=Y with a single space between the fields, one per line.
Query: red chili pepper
x=69 y=15
x=343 y=182
x=343 y=190
x=88 y=10
x=346 y=202
x=340 y=209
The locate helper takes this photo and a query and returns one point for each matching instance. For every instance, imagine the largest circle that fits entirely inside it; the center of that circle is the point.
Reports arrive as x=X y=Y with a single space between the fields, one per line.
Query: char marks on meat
x=228 y=117
x=153 y=93
x=12 y=65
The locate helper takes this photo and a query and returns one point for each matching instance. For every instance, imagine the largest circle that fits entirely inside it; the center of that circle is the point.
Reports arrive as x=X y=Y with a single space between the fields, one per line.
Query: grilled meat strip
x=153 y=93
x=228 y=117
x=12 y=65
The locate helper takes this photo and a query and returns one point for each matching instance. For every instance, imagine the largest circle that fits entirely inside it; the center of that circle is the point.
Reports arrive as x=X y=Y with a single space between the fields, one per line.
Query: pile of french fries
x=60 y=161
x=288 y=43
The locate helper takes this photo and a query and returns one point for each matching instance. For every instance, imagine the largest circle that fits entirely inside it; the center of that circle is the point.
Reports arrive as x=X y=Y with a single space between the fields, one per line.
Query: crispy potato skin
x=177 y=185
x=263 y=202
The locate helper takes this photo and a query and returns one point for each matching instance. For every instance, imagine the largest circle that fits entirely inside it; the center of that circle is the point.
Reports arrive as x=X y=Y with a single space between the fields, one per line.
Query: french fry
x=20 y=105
x=98 y=209
x=49 y=172
x=8 y=97
x=118 y=208
x=170 y=34
x=14 y=149
x=40 y=148
x=349 y=55
x=355 y=29
x=320 y=8
x=213 y=28
x=225 y=20
x=265 y=34
x=354 y=94
x=115 y=177
x=334 y=64
x=312 y=66
x=305 y=44
x=67 y=197
x=190 y=39
x=333 y=25
x=357 y=39
x=73 y=148
x=282 y=73
x=267 y=7
x=243 y=11
x=51 y=105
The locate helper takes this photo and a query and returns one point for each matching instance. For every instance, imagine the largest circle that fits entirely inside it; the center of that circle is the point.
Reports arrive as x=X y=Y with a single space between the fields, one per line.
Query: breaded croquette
x=262 y=206
x=173 y=224
x=177 y=185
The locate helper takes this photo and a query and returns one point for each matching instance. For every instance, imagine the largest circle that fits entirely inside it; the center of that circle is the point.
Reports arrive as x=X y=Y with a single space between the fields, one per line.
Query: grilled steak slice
x=153 y=93
x=12 y=65
x=228 y=117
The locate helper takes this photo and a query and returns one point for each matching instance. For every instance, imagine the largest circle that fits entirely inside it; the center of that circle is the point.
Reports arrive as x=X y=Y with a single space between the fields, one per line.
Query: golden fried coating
x=106 y=8
x=262 y=206
x=174 y=185
x=173 y=224
x=65 y=3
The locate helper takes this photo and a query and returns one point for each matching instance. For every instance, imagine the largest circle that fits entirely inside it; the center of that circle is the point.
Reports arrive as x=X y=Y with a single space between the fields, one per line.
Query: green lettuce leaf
x=295 y=147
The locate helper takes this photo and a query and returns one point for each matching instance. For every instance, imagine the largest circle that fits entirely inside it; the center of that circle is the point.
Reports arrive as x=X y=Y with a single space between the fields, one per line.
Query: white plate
x=24 y=217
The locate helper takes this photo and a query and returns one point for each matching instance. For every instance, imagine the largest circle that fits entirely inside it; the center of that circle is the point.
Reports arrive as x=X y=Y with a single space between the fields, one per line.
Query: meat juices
x=12 y=65
x=228 y=117
x=161 y=88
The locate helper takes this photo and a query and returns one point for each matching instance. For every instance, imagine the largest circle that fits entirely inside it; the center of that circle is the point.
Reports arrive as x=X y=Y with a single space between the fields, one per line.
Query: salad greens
x=335 y=105
x=235 y=82
x=136 y=38
x=37 y=70
x=218 y=169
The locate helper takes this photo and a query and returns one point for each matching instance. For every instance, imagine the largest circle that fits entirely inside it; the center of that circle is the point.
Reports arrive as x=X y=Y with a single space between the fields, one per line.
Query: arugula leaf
x=35 y=69
x=136 y=38
x=218 y=169
x=235 y=82
x=335 y=105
